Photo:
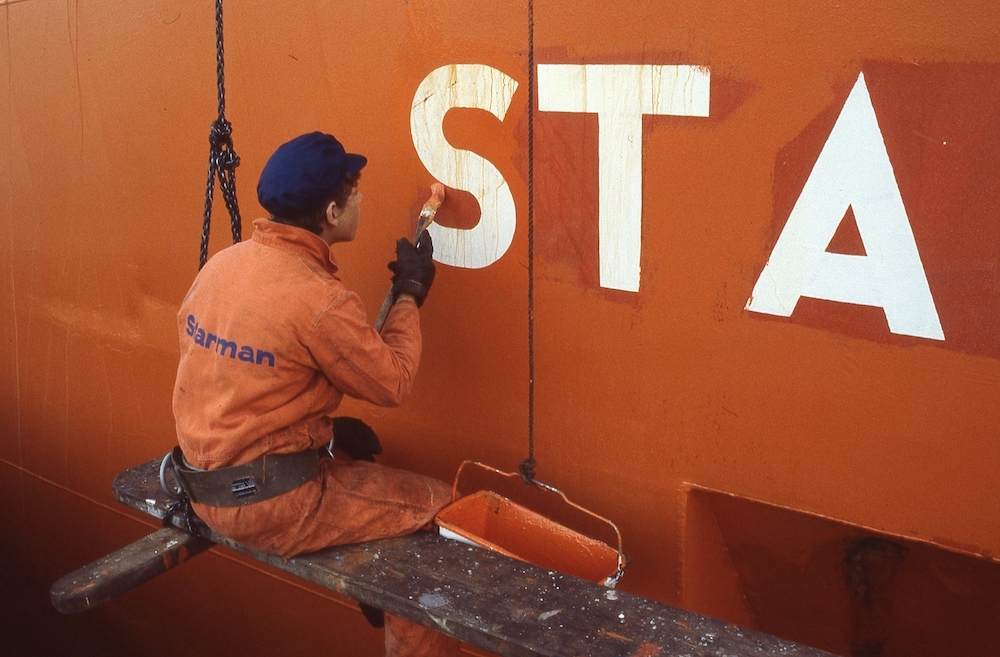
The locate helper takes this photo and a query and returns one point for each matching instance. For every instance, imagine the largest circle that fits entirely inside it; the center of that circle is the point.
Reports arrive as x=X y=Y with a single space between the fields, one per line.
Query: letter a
x=853 y=171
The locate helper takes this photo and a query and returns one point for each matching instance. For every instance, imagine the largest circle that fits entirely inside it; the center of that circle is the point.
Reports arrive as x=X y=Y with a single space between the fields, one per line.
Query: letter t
x=620 y=94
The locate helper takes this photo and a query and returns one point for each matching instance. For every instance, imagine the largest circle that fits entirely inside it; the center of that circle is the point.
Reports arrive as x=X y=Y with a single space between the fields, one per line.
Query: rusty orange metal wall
x=105 y=112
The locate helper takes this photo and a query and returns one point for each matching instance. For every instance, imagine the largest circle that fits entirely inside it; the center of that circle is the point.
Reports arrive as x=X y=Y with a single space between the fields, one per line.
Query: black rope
x=527 y=467
x=222 y=159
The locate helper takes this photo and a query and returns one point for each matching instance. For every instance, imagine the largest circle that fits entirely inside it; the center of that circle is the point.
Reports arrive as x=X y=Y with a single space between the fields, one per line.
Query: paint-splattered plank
x=125 y=569
x=499 y=604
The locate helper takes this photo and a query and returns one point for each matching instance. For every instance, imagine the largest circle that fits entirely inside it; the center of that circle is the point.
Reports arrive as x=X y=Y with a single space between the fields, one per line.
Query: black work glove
x=413 y=268
x=355 y=438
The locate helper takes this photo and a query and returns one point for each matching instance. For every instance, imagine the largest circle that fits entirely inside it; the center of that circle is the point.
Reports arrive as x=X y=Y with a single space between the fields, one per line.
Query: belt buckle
x=245 y=487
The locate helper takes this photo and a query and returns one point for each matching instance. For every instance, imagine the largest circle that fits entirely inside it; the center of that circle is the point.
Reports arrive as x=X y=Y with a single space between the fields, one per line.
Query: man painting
x=271 y=341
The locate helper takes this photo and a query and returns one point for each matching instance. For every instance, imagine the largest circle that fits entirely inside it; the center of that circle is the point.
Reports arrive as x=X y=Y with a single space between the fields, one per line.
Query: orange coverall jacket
x=271 y=340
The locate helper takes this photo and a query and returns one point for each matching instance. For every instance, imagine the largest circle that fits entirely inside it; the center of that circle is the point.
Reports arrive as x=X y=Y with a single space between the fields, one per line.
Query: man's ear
x=332 y=213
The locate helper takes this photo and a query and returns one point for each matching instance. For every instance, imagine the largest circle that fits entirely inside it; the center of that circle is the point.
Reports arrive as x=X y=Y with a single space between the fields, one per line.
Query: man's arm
x=359 y=361
x=366 y=364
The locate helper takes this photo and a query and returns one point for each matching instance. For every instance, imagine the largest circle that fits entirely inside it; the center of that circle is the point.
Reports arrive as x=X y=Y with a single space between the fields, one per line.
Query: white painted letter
x=475 y=86
x=853 y=170
x=620 y=94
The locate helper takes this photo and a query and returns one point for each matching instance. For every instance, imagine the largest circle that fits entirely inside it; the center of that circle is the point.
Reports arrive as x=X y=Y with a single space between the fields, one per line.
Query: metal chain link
x=222 y=159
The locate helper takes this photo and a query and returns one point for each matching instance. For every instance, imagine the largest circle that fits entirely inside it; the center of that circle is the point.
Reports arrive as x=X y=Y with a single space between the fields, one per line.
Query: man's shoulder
x=252 y=257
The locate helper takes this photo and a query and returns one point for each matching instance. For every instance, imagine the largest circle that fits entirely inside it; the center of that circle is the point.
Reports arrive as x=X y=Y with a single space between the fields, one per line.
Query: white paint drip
x=433 y=600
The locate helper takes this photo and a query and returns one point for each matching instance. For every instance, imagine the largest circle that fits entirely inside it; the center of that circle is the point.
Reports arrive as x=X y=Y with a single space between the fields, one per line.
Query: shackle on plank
x=182 y=502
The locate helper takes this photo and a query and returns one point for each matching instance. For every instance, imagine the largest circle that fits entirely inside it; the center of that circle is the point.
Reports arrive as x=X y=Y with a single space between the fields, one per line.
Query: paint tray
x=492 y=521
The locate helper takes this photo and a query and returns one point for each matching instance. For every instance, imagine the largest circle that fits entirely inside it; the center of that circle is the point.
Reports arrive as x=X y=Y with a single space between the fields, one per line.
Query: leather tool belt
x=269 y=476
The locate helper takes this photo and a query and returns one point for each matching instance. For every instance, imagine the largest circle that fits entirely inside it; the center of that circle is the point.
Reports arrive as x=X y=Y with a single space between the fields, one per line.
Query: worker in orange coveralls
x=271 y=341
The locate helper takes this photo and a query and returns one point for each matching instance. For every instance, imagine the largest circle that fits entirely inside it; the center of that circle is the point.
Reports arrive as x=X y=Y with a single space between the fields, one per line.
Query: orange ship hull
x=765 y=291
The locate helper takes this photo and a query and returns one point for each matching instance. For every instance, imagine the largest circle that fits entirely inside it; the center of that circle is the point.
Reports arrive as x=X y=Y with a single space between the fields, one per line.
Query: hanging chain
x=222 y=159
x=527 y=467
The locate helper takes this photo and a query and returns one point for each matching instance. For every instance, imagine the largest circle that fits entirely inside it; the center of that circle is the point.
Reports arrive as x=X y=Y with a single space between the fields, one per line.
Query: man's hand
x=413 y=268
x=355 y=438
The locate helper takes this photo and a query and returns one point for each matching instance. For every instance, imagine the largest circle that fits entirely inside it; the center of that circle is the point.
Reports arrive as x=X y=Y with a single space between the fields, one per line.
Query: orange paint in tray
x=494 y=522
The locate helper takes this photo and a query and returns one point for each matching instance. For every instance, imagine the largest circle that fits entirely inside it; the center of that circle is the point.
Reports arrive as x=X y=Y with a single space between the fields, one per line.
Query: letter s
x=474 y=86
x=192 y=324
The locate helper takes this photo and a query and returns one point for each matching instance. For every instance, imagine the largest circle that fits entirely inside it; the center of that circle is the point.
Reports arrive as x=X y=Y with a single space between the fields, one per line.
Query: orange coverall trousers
x=351 y=502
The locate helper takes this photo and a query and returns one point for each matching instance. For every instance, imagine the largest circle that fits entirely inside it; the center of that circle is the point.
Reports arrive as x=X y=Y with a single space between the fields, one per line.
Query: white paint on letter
x=620 y=94
x=853 y=170
x=480 y=87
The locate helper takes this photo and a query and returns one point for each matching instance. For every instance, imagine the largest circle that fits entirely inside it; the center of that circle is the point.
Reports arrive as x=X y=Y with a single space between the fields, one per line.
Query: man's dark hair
x=313 y=219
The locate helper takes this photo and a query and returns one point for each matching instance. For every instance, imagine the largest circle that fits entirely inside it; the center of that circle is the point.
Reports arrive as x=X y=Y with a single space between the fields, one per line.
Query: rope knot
x=221 y=134
x=527 y=470
x=227 y=159
x=221 y=139
x=222 y=160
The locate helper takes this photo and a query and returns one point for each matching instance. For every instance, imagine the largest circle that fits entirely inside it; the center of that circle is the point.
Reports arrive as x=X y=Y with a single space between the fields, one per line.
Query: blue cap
x=303 y=173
